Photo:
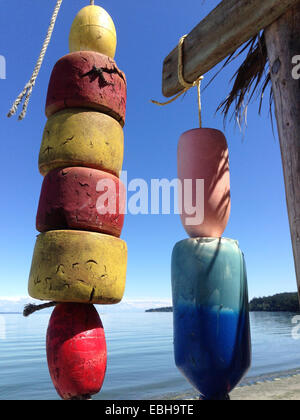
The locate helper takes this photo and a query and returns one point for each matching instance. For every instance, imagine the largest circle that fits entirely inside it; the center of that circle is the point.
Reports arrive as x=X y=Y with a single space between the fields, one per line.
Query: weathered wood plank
x=226 y=28
x=283 y=43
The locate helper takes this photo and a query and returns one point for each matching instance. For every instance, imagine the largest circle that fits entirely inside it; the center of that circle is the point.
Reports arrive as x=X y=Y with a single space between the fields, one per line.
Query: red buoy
x=87 y=79
x=82 y=199
x=76 y=350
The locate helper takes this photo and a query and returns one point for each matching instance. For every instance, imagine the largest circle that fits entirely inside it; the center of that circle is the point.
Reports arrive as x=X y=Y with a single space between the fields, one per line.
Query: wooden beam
x=283 y=43
x=225 y=29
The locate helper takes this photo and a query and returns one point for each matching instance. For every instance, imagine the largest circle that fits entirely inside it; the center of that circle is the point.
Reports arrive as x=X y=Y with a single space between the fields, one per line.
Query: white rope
x=27 y=91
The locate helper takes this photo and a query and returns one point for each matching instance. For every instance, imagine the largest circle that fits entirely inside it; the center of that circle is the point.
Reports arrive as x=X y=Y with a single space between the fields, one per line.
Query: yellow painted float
x=78 y=266
x=78 y=137
x=93 y=30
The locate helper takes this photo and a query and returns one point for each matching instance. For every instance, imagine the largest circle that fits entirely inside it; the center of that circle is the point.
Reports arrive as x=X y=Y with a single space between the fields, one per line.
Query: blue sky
x=147 y=32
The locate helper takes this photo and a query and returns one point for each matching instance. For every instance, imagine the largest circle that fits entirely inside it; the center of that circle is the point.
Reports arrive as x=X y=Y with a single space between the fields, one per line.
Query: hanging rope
x=199 y=101
x=27 y=91
x=186 y=85
x=92 y=2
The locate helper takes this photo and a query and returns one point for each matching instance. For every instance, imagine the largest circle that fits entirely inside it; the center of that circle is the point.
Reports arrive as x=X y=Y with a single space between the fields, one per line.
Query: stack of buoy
x=79 y=259
x=210 y=296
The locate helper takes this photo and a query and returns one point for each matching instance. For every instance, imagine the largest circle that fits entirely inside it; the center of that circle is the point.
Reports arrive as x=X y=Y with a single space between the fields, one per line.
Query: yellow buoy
x=80 y=137
x=93 y=30
x=78 y=266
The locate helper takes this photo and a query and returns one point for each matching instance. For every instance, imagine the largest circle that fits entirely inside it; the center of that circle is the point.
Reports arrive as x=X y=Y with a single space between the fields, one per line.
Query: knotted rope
x=186 y=85
x=27 y=91
x=31 y=308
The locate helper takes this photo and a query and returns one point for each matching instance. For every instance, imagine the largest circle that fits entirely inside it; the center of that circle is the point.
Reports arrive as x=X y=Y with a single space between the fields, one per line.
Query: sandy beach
x=276 y=389
x=284 y=388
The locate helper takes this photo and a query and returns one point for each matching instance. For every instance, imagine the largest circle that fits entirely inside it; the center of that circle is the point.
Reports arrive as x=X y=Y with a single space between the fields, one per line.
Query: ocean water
x=140 y=355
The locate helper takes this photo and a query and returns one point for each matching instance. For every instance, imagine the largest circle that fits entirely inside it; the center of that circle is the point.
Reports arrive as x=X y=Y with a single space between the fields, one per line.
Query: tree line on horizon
x=281 y=302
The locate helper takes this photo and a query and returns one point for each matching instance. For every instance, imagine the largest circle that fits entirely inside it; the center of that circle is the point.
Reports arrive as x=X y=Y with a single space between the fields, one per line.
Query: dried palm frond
x=253 y=76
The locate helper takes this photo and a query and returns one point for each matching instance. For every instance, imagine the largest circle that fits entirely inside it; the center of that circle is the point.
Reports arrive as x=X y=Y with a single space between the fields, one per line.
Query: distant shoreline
x=170 y=309
x=282 y=302
x=10 y=313
x=167 y=309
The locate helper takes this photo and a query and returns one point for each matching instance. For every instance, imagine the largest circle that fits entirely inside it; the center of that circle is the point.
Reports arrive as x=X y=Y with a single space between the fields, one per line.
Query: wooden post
x=226 y=28
x=283 y=43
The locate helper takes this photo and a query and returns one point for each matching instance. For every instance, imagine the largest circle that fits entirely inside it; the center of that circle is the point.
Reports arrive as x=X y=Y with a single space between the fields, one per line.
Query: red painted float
x=76 y=350
x=203 y=155
x=82 y=199
x=87 y=79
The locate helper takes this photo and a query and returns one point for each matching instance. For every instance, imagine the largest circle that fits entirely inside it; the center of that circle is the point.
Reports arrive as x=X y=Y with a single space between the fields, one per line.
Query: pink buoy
x=203 y=155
